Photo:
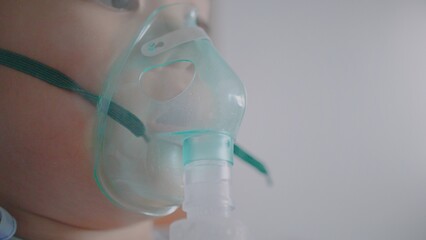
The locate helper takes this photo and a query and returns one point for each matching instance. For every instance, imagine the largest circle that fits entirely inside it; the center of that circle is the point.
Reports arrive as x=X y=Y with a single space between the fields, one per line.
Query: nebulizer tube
x=207 y=191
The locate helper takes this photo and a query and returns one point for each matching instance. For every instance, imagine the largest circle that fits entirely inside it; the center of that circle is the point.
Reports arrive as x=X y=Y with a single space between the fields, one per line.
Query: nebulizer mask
x=167 y=119
x=191 y=104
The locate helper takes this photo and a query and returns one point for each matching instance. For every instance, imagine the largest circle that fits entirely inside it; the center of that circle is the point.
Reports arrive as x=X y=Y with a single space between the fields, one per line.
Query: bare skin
x=46 y=133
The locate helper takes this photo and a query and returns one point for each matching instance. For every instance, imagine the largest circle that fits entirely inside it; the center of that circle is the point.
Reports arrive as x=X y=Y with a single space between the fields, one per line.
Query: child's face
x=46 y=133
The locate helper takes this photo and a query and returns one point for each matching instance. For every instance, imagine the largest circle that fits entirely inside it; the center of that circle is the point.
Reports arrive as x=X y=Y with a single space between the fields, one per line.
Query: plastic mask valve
x=207 y=199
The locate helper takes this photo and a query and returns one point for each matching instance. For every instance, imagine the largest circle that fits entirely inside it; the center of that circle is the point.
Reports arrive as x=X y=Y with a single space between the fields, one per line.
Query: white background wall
x=337 y=109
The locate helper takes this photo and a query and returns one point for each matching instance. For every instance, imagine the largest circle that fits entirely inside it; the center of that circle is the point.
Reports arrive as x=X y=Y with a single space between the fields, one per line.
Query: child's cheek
x=78 y=38
x=48 y=132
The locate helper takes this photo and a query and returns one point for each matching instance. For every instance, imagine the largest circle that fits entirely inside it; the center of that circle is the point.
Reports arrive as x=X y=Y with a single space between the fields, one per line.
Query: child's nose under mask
x=167 y=90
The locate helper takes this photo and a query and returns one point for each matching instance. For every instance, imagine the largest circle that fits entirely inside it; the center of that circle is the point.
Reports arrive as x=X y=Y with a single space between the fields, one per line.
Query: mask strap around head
x=116 y=112
x=54 y=77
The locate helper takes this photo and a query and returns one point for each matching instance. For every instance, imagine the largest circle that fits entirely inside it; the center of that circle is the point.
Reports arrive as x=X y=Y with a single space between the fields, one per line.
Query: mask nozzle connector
x=207 y=187
x=214 y=146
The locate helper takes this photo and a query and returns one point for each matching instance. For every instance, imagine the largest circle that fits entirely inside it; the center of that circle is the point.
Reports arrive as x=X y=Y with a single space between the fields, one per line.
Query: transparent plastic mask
x=173 y=80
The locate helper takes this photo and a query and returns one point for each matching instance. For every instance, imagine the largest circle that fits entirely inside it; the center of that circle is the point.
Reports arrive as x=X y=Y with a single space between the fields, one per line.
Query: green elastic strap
x=60 y=80
x=118 y=113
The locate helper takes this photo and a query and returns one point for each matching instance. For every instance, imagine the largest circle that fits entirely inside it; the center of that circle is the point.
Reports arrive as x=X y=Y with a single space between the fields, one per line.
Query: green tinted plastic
x=147 y=176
